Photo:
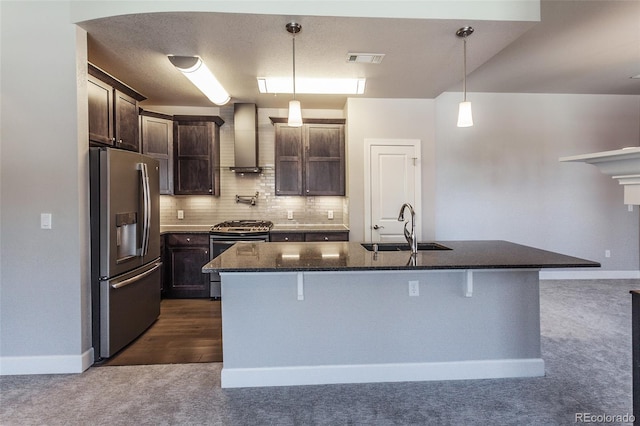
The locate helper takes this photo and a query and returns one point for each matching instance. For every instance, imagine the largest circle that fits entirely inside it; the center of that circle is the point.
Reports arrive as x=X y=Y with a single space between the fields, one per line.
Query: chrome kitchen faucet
x=411 y=237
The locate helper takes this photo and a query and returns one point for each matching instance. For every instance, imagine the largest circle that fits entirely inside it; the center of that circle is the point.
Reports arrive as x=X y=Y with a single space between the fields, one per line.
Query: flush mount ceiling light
x=295 y=111
x=197 y=72
x=465 y=118
x=315 y=86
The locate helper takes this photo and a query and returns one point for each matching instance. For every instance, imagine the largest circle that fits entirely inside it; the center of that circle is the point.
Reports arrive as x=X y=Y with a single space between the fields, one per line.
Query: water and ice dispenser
x=126 y=236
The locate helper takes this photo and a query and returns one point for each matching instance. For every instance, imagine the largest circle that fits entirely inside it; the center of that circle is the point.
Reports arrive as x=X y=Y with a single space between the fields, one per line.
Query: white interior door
x=392 y=179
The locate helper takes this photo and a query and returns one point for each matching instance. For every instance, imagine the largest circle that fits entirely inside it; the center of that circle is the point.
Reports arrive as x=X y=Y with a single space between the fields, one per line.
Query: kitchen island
x=334 y=312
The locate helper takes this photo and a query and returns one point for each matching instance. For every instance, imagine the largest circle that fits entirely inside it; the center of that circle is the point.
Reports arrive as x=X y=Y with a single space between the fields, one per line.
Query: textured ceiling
x=579 y=47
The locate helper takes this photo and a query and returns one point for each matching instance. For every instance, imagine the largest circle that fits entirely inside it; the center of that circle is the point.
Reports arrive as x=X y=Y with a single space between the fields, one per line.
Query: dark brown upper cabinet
x=157 y=142
x=113 y=111
x=288 y=160
x=196 y=142
x=324 y=159
x=100 y=96
x=310 y=160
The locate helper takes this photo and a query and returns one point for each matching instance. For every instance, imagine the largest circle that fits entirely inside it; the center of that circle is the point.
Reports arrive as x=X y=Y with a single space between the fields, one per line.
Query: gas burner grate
x=246 y=226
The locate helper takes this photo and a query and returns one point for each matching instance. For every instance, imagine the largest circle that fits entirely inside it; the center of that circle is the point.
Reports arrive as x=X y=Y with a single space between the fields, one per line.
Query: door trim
x=368 y=144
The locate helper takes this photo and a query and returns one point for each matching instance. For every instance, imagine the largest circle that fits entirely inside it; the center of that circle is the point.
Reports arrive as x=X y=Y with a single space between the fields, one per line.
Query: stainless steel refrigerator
x=125 y=247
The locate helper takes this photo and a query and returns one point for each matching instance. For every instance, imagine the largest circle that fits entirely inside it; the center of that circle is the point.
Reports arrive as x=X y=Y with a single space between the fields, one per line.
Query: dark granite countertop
x=351 y=256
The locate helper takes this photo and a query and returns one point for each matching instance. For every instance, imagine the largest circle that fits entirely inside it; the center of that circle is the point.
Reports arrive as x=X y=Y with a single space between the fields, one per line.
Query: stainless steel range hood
x=245 y=124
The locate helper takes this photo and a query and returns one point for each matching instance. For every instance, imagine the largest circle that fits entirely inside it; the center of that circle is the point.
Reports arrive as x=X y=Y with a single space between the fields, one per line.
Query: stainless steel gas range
x=225 y=234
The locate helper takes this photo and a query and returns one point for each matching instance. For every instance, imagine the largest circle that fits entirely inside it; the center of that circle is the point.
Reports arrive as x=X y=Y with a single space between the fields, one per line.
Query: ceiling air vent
x=365 y=58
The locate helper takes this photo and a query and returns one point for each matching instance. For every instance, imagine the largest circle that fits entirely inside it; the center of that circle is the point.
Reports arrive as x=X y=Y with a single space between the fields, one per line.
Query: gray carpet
x=586 y=343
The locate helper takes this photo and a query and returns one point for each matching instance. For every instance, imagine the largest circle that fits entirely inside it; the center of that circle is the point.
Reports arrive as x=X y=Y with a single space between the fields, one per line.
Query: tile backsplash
x=208 y=210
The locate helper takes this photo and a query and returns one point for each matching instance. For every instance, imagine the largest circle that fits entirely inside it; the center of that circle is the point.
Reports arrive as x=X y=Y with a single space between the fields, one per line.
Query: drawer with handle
x=286 y=236
x=179 y=239
x=326 y=236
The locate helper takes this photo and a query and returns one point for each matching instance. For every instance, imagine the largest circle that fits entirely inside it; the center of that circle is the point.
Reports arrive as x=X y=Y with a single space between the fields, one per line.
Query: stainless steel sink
x=403 y=246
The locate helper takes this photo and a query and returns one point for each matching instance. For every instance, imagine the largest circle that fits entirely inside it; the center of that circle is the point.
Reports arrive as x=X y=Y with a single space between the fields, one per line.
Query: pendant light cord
x=464 y=68
x=294 y=66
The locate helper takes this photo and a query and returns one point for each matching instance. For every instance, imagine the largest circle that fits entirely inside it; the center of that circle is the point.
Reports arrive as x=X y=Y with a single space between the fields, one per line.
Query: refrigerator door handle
x=146 y=196
x=136 y=278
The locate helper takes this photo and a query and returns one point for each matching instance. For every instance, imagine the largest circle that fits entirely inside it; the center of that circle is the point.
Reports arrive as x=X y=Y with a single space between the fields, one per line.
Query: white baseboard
x=53 y=364
x=564 y=274
x=377 y=373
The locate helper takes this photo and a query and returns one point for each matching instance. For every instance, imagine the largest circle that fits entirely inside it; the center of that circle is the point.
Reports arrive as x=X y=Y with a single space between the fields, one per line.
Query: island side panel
x=355 y=319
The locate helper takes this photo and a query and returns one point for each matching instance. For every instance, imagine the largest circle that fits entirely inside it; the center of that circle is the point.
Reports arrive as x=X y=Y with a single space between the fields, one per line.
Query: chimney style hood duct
x=245 y=124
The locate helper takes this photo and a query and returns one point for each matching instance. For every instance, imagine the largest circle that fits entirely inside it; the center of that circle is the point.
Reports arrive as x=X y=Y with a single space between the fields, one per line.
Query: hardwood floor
x=187 y=331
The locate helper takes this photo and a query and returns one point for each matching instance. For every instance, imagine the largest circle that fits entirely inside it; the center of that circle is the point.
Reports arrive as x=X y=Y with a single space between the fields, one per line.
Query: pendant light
x=465 y=119
x=295 y=112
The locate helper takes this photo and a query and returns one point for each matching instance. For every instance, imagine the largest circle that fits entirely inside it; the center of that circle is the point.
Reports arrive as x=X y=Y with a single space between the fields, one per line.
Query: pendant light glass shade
x=465 y=118
x=295 y=114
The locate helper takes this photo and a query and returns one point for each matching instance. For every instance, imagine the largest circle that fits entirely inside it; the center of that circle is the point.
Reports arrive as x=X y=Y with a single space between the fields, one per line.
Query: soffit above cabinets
x=582 y=47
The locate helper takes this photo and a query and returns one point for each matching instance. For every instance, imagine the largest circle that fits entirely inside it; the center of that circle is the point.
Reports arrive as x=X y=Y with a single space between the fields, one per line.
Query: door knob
x=377 y=227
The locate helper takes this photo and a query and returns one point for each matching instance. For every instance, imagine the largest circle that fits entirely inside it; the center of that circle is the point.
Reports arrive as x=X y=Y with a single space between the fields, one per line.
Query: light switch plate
x=45 y=220
x=290 y=214
x=180 y=214
x=330 y=214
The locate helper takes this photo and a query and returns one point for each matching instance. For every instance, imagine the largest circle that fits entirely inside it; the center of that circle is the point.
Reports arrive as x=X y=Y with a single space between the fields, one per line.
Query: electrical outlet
x=630 y=207
x=180 y=214
x=607 y=253
x=414 y=288
x=330 y=214
x=290 y=214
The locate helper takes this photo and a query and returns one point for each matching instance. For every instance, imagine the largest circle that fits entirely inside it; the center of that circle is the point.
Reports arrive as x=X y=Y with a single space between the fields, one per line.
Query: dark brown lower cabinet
x=326 y=236
x=186 y=254
x=286 y=236
x=635 y=354
x=309 y=236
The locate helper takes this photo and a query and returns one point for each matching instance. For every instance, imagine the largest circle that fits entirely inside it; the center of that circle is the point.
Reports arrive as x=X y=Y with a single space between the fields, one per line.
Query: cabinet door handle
x=286 y=238
x=188 y=240
x=326 y=238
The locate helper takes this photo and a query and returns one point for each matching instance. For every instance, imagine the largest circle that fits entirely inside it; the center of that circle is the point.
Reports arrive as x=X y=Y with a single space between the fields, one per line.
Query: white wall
x=389 y=118
x=44 y=293
x=501 y=178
